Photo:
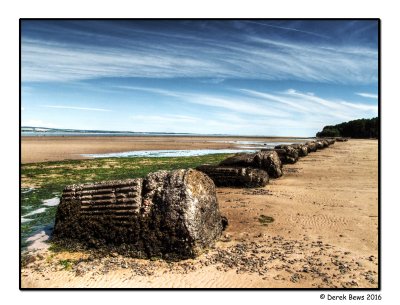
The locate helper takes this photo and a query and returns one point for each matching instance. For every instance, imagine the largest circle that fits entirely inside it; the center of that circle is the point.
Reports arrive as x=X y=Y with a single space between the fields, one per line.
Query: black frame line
x=379 y=288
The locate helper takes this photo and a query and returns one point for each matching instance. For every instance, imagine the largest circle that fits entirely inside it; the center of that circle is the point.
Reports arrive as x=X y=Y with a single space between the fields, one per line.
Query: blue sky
x=242 y=77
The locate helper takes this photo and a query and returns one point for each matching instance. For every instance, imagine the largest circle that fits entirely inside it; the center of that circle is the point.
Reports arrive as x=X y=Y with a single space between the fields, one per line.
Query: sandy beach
x=322 y=229
x=42 y=149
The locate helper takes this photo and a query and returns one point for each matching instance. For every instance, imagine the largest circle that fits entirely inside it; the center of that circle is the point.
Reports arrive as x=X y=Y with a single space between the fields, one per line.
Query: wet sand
x=324 y=234
x=42 y=149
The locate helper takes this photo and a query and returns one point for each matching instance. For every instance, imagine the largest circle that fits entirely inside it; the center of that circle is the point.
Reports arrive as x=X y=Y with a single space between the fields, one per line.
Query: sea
x=239 y=146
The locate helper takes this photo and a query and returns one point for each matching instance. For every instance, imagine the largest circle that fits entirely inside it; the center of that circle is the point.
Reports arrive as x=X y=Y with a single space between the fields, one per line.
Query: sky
x=238 y=77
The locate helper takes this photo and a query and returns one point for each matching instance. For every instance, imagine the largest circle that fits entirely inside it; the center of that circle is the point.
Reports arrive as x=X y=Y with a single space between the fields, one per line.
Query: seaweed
x=264 y=220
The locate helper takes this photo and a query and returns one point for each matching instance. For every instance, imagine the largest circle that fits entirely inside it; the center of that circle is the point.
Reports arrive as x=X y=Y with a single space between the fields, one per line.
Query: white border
x=12 y=11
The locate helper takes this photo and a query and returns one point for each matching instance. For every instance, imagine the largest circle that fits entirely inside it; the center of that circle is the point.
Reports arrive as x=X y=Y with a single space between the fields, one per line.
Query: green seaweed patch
x=57 y=248
x=265 y=220
x=67 y=264
x=155 y=258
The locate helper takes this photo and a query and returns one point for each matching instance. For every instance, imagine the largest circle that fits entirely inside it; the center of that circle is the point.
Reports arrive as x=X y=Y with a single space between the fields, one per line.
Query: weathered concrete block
x=311 y=146
x=325 y=142
x=287 y=154
x=331 y=141
x=269 y=161
x=235 y=176
x=319 y=144
x=240 y=159
x=167 y=214
x=302 y=149
x=265 y=160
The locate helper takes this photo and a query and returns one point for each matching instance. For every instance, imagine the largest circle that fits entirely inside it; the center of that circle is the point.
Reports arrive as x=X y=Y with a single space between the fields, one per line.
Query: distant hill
x=362 y=129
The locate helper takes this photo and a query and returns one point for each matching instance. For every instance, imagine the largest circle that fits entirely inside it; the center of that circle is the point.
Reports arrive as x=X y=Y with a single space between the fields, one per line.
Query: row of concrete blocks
x=254 y=170
x=167 y=214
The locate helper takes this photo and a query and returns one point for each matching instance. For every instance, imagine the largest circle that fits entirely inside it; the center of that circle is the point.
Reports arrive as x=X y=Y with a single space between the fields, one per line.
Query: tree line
x=362 y=128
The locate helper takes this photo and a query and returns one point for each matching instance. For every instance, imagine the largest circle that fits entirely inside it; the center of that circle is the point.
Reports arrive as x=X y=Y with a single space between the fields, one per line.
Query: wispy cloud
x=368 y=95
x=211 y=76
x=159 y=91
x=236 y=105
x=232 y=103
x=334 y=107
x=213 y=80
x=311 y=106
x=318 y=63
x=44 y=61
x=188 y=124
x=246 y=56
x=168 y=118
x=75 y=108
x=288 y=29
x=373 y=108
x=284 y=108
x=277 y=99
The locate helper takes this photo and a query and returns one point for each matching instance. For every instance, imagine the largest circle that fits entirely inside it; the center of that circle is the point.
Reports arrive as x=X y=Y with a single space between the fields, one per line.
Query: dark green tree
x=362 y=128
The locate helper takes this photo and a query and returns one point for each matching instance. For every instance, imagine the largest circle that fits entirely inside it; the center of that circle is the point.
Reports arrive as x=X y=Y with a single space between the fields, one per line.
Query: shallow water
x=51 y=202
x=39 y=239
x=23 y=219
x=169 y=153
x=46 y=202
x=242 y=146
x=38 y=211
x=26 y=190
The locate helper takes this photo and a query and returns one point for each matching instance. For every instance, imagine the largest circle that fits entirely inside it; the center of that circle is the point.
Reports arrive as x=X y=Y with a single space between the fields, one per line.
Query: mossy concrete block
x=266 y=160
x=235 y=176
x=171 y=214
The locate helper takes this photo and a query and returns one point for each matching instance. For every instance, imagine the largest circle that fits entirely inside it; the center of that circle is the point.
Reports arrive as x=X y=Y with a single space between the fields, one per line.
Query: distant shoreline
x=112 y=134
x=57 y=148
x=28 y=131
